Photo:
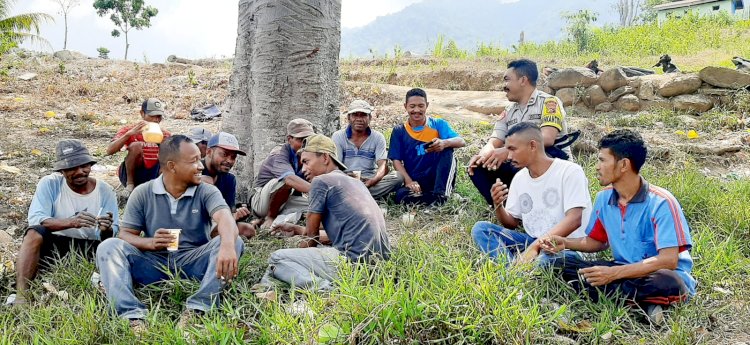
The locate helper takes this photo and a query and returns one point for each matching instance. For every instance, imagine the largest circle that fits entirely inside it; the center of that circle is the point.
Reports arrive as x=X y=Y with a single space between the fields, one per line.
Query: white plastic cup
x=176 y=243
x=357 y=174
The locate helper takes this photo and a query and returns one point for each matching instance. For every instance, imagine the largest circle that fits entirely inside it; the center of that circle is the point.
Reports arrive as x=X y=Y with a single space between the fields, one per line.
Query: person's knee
x=480 y=229
x=135 y=148
x=110 y=248
x=33 y=238
x=666 y=279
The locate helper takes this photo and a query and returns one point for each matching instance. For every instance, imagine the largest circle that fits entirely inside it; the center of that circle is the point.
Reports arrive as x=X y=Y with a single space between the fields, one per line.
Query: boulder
x=692 y=103
x=571 y=77
x=27 y=76
x=594 y=96
x=619 y=92
x=647 y=91
x=612 y=79
x=656 y=103
x=69 y=55
x=604 y=107
x=487 y=106
x=546 y=89
x=628 y=103
x=680 y=85
x=725 y=77
x=568 y=96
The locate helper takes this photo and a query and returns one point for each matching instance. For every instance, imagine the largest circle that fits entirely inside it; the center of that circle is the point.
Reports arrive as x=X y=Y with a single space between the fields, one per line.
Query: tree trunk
x=127 y=45
x=285 y=67
x=65 y=43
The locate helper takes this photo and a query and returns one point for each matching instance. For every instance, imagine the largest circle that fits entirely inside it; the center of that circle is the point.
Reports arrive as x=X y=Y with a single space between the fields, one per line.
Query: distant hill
x=468 y=22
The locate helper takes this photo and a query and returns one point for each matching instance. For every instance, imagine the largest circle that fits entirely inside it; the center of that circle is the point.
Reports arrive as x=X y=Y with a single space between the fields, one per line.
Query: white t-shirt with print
x=540 y=203
x=69 y=203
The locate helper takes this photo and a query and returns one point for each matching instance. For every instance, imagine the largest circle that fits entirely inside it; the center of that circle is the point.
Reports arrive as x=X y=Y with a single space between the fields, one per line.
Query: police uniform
x=542 y=109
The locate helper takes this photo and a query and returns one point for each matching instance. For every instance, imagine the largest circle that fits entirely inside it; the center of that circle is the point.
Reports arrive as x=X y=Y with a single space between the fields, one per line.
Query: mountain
x=468 y=22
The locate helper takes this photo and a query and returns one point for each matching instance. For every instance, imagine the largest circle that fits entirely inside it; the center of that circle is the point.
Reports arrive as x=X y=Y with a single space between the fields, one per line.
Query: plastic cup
x=357 y=174
x=176 y=243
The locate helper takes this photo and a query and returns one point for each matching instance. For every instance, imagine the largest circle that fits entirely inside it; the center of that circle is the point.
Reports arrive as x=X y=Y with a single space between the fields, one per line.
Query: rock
x=545 y=88
x=693 y=103
x=568 y=96
x=628 y=103
x=634 y=82
x=708 y=91
x=612 y=79
x=594 y=96
x=688 y=121
x=647 y=91
x=5 y=237
x=69 y=55
x=725 y=77
x=71 y=116
x=681 y=85
x=487 y=106
x=658 y=103
x=604 y=107
x=27 y=76
x=572 y=77
x=619 y=92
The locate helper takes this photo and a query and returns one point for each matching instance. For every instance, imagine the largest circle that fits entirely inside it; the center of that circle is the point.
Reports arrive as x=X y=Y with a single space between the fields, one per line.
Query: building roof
x=682 y=3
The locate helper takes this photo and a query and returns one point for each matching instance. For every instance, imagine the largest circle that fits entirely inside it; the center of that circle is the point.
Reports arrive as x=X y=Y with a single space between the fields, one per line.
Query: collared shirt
x=150 y=207
x=542 y=109
x=281 y=162
x=226 y=183
x=651 y=221
x=408 y=145
x=363 y=158
x=53 y=198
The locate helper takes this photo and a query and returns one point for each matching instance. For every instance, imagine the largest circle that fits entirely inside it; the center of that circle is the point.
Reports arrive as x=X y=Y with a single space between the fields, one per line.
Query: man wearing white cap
x=363 y=150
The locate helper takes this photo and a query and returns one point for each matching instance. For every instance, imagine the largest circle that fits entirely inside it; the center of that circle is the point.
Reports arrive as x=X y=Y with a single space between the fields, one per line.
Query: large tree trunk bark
x=285 y=67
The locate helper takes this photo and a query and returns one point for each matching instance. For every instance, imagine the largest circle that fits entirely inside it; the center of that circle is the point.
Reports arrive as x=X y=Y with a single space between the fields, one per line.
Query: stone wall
x=613 y=90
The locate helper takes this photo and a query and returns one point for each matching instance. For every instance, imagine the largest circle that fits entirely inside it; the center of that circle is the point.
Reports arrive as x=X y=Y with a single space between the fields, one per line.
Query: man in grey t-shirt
x=353 y=222
x=175 y=200
x=363 y=151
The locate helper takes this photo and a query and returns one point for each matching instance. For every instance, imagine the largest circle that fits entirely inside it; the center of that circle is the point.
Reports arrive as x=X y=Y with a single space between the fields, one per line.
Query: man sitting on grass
x=70 y=211
x=547 y=196
x=141 y=164
x=350 y=216
x=175 y=200
x=643 y=225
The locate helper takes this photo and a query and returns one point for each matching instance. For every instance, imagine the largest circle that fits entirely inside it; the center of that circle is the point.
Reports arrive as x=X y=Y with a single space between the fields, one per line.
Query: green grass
x=437 y=288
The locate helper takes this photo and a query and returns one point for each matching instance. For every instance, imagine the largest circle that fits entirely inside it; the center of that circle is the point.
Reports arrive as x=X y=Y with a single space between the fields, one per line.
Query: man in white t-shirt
x=70 y=211
x=547 y=196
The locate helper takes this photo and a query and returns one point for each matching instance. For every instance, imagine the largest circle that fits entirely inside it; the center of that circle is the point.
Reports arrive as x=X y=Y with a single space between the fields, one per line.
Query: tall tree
x=579 y=28
x=21 y=27
x=127 y=15
x=65 y=7
x=285 y=67
x=648 y=14
x=627 y=10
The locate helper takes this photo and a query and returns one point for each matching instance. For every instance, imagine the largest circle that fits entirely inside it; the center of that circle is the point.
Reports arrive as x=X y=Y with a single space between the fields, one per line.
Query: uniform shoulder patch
x=551 y=106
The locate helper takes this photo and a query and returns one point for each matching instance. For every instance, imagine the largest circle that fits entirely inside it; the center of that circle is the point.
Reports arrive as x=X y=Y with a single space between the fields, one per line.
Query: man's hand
x=528 y=255
x=436 y=145
x=287 y=230
x=475 y=162
x=83 y=219
x=599 y=275
x=241 y=212
x=105 y=222
x=495 y=158
x=552 y=244
x=226 y=263
x=371 y=182
x=161 y=240
x=499 y=192
x=137 y=128
x=414 y=187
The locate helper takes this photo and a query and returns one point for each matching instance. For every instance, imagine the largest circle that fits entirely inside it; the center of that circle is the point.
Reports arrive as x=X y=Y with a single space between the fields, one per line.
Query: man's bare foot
x=247 y=230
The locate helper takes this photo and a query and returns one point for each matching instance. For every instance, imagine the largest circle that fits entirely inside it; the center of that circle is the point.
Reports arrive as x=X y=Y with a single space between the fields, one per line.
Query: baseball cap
x=300 y=128
x=199 y=134
x=71 y=153
x=226 y=141
x=360 y=106
x=153 y=107
x=319 y=143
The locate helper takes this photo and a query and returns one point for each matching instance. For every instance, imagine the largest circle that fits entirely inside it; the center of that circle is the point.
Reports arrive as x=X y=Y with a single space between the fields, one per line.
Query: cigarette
x=100 y=212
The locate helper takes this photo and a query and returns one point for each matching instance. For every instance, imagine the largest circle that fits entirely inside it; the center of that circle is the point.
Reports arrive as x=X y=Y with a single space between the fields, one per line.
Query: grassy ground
x=436 y=289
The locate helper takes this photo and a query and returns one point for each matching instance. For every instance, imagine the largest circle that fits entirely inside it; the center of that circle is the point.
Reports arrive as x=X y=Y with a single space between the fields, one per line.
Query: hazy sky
x=187 y=28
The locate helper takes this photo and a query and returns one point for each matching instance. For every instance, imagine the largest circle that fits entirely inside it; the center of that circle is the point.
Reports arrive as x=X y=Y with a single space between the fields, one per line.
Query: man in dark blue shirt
x=221 y=154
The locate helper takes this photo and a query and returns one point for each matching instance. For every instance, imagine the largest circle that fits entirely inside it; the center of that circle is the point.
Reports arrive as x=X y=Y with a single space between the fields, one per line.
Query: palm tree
x=21 y=27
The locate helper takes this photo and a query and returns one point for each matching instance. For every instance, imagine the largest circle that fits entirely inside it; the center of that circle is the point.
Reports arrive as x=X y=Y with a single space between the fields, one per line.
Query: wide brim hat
x=71 y=153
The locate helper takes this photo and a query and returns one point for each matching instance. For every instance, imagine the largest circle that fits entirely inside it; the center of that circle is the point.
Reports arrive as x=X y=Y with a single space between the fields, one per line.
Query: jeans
x=121 y=264
x=304 y=268
x=496 y=241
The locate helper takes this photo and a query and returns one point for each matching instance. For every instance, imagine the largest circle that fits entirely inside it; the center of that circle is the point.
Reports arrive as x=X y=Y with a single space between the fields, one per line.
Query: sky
x=186 y=28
